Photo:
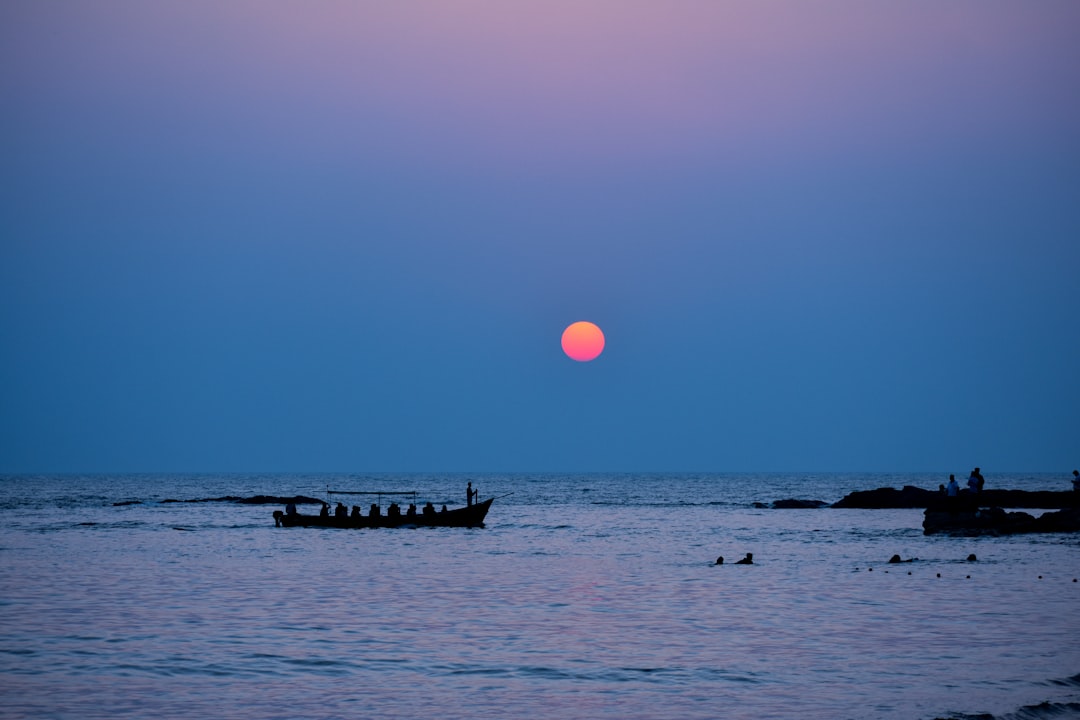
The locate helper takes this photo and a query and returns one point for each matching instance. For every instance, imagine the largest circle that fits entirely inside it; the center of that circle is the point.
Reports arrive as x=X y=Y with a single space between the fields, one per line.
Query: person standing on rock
x=975 y=482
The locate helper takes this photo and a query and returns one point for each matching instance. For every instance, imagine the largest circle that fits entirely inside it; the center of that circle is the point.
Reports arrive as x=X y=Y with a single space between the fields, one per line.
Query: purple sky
x=278 y=236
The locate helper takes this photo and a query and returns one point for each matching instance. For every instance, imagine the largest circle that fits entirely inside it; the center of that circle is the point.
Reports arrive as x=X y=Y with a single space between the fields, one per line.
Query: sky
x=273 y=236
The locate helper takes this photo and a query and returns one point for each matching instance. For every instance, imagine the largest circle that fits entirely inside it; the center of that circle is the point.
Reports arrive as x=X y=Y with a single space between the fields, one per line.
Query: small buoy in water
x=1040 y=577
x=972 y=558
x=939 y=574
x=968 y=577
x=720 y=560
x=908 y=572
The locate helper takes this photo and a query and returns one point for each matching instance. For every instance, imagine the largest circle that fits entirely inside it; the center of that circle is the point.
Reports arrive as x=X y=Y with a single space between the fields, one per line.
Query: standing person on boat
x=1076 y=481
x=468 y=495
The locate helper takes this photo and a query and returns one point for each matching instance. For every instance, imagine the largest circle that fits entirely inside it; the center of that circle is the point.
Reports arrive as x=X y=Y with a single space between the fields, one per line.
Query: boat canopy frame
x=377 y=493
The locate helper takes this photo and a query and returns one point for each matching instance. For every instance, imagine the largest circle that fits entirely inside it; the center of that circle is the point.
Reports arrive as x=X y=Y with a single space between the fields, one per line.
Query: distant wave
x=1042 y=711
x=1045 y=710
x=776 y=504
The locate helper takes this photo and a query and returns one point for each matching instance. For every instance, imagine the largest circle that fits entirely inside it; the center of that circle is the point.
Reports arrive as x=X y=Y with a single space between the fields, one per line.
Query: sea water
x=584 y=596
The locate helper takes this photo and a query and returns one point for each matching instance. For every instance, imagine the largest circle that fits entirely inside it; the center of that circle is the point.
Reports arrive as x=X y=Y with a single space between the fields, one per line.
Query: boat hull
x=470 y=516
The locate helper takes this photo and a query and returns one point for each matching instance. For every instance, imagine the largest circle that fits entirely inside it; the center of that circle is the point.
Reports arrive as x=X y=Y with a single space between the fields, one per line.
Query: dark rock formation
x=227 y=498
x=792 y=503
x=913 y=497
x=888 y=498
x=272 y=500
x=255 y=500
x=995 y=521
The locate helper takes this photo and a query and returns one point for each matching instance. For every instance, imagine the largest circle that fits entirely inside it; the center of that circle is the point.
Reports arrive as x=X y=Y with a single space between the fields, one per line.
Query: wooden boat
x=469 y=516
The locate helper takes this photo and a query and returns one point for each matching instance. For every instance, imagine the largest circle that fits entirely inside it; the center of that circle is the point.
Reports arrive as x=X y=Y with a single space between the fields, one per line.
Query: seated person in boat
x=325 y=512
x=429 y=509
x=411 y=512
x=394 y=510
x=341 y=511
x=375 y=510
x=290 y=508
x=356 y=511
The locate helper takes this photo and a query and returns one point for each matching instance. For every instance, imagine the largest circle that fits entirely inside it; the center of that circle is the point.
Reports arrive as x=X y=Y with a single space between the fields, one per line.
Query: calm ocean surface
x=585 y=596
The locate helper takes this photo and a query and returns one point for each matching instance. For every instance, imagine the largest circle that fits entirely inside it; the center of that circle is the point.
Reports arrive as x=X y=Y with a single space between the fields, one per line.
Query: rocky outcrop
x=255 y=500
x=913 y=497
x=275 y=500
x=995 y=521
x=792 y=503
x=887 y=498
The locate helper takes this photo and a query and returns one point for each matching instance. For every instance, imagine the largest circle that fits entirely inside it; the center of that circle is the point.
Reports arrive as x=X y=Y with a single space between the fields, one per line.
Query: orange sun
x=583 y=341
